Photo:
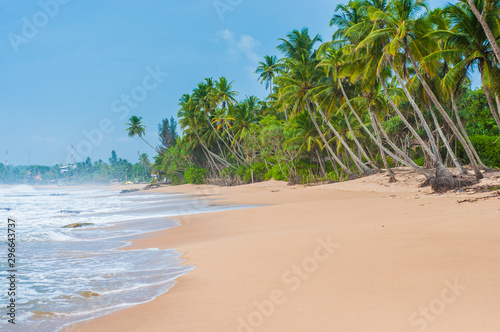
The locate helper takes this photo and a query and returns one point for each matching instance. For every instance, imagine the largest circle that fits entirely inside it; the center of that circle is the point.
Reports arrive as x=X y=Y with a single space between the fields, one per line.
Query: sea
x=67 y=275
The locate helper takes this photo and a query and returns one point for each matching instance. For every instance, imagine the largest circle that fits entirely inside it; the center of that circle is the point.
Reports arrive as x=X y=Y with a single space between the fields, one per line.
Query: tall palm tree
x=267 y=71
x=223 y=93
x=467 y=41
x=401 y=32
x=144 y=160
x=135 y=127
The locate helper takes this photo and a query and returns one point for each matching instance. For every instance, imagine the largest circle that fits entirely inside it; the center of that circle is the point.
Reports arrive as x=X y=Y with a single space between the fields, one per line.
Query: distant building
x=65 y=169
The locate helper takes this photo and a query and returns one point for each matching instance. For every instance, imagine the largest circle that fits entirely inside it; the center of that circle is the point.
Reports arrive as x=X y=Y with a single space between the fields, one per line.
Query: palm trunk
x=452 y=155
x=379 y=144
x=213 y=155
x=464 y=132
x=236 y=156
x=359 y=164
x=390 y=173
x=486 y=29
x=360 y=147
x=497 y=100
x=409 y=163
x=425 y=147
x=407 y=160
x=488 y=97
x=238 y=145
x=318 y=129
x=438 y=105
x=320 y=164
x=417 y=110
x=150 y=145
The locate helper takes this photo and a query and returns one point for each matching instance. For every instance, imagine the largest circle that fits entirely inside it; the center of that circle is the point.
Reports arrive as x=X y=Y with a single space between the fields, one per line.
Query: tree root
x=445 y=183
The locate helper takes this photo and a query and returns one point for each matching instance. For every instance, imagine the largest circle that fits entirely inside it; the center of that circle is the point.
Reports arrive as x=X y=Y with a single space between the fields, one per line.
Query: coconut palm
x=490 y=12
x=135 y=127
x=267 y=71
x=401 y=32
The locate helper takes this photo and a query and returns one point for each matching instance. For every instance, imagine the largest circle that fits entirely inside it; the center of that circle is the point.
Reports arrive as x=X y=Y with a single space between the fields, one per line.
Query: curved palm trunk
x=487 y=92
x=358 y=144
x=486 y=29
x=408 y=160
x=238 y=145
x=425 y=147
x=497 y=99
x=152 y=147
x=390 y=173
x=213 y=155
x=417 y=110
x=359 y=164
x=464 y=132
x=321 y=167
x=409 y=163
x=454 y=158
x=334 y=156
x=236 y=156
x=441 y=110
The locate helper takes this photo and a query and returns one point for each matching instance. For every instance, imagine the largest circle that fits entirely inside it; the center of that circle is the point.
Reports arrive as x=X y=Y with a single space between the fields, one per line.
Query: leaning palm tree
x=135 y=127
x=491 y=10
x=402 y=33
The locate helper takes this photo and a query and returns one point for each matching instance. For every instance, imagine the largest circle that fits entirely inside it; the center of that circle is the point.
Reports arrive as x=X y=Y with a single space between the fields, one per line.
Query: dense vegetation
x=391 y=88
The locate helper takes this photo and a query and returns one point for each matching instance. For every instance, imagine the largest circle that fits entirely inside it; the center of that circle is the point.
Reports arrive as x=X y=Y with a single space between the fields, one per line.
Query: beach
x=362 y=255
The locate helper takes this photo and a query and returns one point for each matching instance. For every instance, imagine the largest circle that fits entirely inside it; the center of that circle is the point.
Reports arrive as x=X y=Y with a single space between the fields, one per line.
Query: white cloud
x=240 y=45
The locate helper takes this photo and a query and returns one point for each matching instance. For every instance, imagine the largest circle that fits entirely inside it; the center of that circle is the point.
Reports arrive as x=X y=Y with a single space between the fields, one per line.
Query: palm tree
x=489 y=11
x=467 y=41
x=401 y=32
x=300 y=80
x=135 y=127
x=306 y=136
x=144 y=160
x=223 y=93
x=268 y=70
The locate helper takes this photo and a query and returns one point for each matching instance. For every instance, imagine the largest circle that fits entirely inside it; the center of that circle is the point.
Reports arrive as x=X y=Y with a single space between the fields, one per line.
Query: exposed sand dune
x=355 y=256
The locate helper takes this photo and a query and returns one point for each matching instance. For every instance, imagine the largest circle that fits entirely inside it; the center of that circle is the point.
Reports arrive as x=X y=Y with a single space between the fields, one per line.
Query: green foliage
x=420 y=161
x=394 y=126
x=488 y=148
x=476 y=115
x=278 y=172
x=259 y=173
x=195 y=175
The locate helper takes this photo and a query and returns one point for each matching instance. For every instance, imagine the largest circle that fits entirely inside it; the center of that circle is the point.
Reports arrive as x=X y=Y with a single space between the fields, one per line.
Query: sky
x=73 y=72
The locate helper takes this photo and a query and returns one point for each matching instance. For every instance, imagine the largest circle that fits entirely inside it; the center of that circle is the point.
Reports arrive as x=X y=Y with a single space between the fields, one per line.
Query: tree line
x=390 y=88
x=86 y=172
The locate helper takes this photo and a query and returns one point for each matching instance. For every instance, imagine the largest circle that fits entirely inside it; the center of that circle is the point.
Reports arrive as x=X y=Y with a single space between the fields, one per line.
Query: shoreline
x=393 y=251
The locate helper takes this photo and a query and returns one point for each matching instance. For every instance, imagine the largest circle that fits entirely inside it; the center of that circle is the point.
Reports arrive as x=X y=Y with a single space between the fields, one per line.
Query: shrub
x=276 y=173
x=259 y=173
x=195 y=175
x=420 y=161
x=488 y=148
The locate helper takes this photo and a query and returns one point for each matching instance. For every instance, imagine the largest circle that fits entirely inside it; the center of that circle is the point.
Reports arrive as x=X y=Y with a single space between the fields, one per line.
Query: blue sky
x=72 y=72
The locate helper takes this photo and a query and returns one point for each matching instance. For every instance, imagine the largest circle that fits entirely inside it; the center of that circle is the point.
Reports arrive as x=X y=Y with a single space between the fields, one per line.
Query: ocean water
x=68 y=275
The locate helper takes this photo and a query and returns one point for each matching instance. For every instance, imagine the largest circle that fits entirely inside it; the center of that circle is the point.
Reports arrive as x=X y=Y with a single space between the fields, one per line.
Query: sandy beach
x=355 y=256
